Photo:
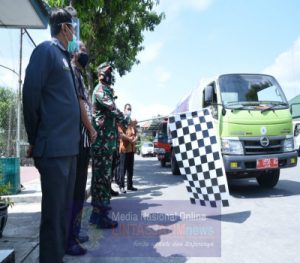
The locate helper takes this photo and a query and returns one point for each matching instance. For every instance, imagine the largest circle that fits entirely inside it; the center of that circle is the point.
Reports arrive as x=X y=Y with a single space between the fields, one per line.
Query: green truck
x=253 y=122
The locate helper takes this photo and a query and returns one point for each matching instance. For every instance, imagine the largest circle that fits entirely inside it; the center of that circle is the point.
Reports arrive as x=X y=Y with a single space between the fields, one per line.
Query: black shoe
x=113 y=193
x=82 y=238
x=132 y=188
x=106 y=222
x=76 y=250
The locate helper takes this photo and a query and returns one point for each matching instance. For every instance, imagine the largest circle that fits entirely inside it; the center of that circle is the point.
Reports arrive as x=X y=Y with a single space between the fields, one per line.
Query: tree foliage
x=7 y=103
x=8 y=119
x=113 y=29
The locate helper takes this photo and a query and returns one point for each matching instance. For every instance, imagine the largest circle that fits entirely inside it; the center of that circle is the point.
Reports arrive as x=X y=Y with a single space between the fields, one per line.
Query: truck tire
x=163 y=163
x=174 y=165
x=269 y=179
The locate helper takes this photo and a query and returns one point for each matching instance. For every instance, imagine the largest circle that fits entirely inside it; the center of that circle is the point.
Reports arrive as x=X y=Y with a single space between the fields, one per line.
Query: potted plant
x=5 y=202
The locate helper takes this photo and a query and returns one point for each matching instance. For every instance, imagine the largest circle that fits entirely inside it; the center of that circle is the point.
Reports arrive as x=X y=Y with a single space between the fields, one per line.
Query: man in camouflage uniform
x=105 y=118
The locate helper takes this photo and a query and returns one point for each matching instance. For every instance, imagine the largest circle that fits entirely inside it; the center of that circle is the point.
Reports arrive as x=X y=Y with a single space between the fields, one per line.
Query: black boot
x=97 y=213
x=105 y=222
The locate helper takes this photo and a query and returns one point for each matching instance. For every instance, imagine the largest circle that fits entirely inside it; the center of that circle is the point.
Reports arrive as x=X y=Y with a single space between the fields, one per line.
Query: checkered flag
x=199 y=158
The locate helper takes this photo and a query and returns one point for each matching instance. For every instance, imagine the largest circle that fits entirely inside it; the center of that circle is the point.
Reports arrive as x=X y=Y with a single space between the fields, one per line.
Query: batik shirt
x=105 y=118
x=83 y=94
x=125 y=145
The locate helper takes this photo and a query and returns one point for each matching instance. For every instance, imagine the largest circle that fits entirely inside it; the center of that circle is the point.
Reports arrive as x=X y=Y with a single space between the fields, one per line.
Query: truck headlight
x=288 y=144
x=230 y=146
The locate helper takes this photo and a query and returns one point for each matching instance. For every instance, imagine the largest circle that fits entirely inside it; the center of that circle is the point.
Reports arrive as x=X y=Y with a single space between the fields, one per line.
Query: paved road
x=157 y=224
x=259 y=226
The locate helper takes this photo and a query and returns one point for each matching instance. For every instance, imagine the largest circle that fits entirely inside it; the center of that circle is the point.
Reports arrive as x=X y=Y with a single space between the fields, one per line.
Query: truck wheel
x=163 y=163
x=269 y=179
x=174 y=165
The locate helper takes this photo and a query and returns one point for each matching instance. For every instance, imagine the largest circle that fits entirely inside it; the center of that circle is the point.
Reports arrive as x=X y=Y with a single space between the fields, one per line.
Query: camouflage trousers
x=101 y=179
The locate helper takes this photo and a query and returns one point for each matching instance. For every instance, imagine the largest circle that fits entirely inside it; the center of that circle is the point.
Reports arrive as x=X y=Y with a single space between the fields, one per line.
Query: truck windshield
x=244 y=91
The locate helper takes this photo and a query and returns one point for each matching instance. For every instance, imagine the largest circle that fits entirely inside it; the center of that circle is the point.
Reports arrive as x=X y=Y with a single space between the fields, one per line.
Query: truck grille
x=253 y=146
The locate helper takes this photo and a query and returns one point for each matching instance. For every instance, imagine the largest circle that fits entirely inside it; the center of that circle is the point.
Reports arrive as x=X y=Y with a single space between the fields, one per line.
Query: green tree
x=7 y=120
x=113 y=30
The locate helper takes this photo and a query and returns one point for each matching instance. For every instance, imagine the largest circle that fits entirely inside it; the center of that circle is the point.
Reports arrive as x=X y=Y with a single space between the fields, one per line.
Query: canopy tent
x=23 y=14
x=31 y=14
x=295 y=107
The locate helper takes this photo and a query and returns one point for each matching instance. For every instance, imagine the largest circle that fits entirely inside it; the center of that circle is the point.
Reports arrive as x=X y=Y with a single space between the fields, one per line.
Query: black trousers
x=126 y=166
x=79 y=193
x=115 y=165
x=57 y=183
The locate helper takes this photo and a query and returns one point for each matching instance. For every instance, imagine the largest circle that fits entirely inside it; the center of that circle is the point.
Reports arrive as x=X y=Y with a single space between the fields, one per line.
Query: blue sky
x=198 y=40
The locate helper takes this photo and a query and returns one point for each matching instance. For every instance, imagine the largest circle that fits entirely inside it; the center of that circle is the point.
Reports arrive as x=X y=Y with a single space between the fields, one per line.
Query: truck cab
x=253 y=123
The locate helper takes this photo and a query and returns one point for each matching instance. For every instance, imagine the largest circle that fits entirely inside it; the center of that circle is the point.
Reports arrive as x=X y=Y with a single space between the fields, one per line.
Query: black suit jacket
x=50 y=104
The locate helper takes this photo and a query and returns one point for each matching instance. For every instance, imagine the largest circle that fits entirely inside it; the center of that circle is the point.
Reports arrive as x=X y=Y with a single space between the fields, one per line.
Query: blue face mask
x=72 y=45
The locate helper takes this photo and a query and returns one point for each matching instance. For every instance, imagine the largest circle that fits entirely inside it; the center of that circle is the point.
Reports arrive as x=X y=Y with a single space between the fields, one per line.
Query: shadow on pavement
x=26 y=191
x=250 y=189
x=149 y=172
x=165 y=231
x=239 y=217
x=152 y=190
x=134 y=236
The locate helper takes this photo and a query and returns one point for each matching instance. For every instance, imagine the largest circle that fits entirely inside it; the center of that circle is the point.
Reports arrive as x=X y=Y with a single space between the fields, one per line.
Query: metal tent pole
x=19 y=97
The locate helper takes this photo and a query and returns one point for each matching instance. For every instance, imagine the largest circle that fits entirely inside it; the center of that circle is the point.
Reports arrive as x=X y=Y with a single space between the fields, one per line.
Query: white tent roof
x=23 y=14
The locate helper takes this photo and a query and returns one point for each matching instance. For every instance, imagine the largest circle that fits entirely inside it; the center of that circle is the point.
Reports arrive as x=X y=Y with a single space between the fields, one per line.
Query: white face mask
x=128 y=113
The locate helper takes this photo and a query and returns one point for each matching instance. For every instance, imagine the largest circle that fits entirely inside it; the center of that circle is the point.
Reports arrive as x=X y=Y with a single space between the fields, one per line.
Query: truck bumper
x=247 y=163
x=164 y=156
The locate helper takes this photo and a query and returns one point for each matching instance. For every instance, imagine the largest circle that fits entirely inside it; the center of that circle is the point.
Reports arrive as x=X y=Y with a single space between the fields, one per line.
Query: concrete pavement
x=259 y=225
x=22 y=228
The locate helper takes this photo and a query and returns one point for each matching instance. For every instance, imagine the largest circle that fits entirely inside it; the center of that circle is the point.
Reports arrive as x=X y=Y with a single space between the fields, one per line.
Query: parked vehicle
x=147 y=149
x=163 y=146
x=161 y=142
x=253 y=123
x=138 y=146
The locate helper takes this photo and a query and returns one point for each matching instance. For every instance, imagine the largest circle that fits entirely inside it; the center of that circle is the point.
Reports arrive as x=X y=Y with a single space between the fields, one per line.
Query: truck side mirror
x=208 y=95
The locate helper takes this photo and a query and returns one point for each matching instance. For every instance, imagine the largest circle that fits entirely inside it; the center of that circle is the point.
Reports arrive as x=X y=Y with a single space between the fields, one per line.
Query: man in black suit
x=52 y=121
